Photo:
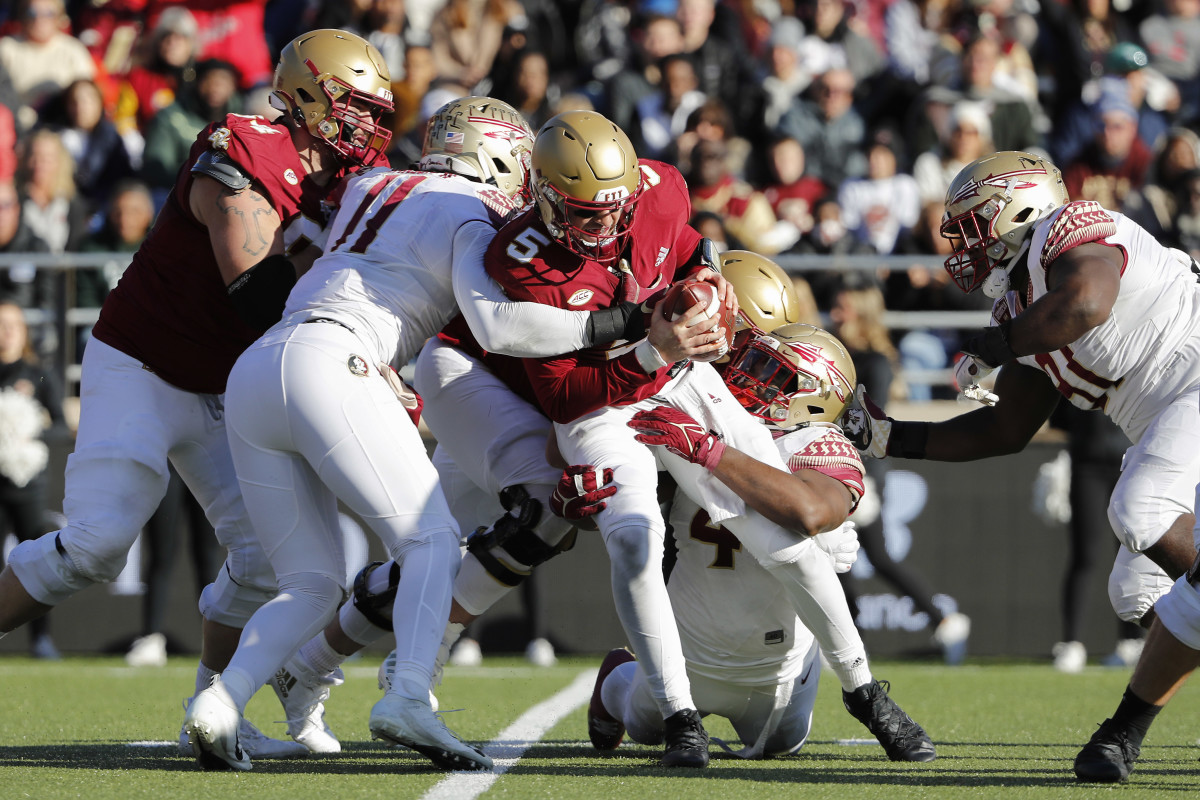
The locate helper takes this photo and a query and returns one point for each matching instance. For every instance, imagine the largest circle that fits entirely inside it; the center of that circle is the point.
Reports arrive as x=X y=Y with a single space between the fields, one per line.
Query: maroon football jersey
x=170 y=310
x=530 y=265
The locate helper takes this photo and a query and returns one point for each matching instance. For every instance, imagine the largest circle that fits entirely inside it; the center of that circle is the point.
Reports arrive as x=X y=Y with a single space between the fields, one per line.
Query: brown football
x=685 y=294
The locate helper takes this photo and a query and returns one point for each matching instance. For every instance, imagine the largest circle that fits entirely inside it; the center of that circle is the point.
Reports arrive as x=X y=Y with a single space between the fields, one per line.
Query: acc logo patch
x=220 y=138
x=357 y=365
x=580 y=297
x=290 y=177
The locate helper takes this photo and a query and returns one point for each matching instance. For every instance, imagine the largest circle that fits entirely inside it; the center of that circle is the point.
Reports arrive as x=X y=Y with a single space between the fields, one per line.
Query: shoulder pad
x=220 y=166
x=1079 y=223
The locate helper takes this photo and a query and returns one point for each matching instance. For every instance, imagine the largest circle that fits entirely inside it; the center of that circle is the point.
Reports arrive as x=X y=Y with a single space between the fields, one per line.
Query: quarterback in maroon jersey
x=244 y=217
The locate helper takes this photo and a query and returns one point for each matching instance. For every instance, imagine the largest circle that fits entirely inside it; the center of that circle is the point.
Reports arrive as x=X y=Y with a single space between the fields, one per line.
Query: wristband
x=991 y=346
x=908 y=439
x=649 y=358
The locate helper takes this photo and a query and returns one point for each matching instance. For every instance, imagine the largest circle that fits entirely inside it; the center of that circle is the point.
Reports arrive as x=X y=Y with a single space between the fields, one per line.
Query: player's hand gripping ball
x=681 y=297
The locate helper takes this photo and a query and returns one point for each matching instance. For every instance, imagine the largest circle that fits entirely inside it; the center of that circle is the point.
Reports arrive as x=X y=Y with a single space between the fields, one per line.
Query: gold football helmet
x=337 y=85
x=792 y=376
x=991 y=208
x=483 y=139
x=764 y=291
x=586 y=181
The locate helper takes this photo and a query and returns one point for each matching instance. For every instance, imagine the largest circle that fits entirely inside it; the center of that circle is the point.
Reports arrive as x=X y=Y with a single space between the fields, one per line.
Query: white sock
x=614 y=692
x=449 y=637
x=319 y=657
x=240 y=685
x=204 y=677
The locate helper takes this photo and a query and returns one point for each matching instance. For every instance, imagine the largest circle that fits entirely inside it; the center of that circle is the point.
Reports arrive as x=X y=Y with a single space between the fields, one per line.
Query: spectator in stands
x=828 y=237
x=232 y=31
x=127 y=220
x=531 y=91
x=50 y=204
x=8 y=145
x=466 y=36
x=857 y=316
x=1078 y=34
x=660 y=117
x=785 y=78
x=1156 y=206
x=883 y=204
x=831 y=131
x=1172 y=38
x=1011 y=116
x=1187 y=223
x=173 y=130
x=792 y=193
x=969 y=136
x=28 y=394
x=100 y=153
x=385 y=26
x=604 y=39
x=163 y=62
x=1116 y=163
x=718 y=53
x=858 y=53
x=408 y=127
x=655 y=37
x=746 y=211
x=41 y=59
x=711 y=225
x=21 y=282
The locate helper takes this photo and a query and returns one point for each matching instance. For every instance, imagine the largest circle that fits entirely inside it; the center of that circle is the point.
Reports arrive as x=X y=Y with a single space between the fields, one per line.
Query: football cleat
x=685 y=739
x=211 y=724
x=540 y=653
x=466 y=653
x=951 y=635
x=255 y=743
x=1069 y=657
x=605 y=730
x=1109 y=755
x=148 y=651
x=412 y=723
x=303 y=695
x=901 y=738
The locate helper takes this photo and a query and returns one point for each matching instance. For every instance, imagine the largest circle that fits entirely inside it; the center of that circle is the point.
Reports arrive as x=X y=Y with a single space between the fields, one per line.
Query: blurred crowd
x=802 y=126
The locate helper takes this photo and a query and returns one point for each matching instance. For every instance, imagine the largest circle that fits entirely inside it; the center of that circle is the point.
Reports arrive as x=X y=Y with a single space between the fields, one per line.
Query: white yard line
x=512 y=742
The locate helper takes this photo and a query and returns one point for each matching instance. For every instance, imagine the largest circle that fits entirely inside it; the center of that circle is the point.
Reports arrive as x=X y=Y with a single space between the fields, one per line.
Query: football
x=685 y=294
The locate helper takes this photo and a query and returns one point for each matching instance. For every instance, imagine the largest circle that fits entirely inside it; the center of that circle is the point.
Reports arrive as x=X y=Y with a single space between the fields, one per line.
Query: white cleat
x=413 y=723
x=1069 y=657
x=303 y=696
x=388 y=669
x=211 y=725
x=466 y=653
x=255 y=743
x=540 y=653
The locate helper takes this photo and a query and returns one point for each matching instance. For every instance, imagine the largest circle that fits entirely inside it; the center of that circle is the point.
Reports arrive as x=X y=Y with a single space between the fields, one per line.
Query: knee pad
x=1179 y=612
x=229 y=602
x=521 y=539
x=1138 y=516
x=374 y=592
x=1135 y=584
x=45 y=570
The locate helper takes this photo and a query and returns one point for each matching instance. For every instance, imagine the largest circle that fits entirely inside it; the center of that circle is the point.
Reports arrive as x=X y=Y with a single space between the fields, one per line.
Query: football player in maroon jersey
x=244 y=218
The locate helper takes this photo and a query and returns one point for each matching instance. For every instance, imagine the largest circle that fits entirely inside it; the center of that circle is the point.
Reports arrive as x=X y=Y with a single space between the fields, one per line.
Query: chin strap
x=995 y=285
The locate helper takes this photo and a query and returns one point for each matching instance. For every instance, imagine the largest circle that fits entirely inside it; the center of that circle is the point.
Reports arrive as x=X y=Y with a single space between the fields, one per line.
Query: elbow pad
x=260 y=293
x=622 y=321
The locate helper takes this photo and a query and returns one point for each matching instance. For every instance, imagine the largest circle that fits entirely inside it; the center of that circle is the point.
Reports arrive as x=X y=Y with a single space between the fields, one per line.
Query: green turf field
x=92 y=728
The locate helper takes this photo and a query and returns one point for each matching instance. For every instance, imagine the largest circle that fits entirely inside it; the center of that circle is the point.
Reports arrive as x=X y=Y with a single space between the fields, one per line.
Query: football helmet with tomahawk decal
x=483 y=139
x=795 y=375
x=992 y=206
x=337 y=86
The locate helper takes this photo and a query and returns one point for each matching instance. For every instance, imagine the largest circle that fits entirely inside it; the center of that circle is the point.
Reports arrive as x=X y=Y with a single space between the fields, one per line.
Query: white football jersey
x=735 y=620
x=1148 y=350
x=387 y=271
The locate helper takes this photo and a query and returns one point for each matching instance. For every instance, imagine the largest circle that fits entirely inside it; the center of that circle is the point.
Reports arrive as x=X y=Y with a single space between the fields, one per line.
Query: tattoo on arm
x=250 y=218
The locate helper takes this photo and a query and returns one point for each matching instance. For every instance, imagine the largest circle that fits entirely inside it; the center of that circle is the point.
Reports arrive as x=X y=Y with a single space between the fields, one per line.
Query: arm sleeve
x=568 y=388
x=501 y=325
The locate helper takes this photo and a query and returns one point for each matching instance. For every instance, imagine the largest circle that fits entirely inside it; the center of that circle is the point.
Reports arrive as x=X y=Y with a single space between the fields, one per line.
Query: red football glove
x=679 y=433
x=581 y=492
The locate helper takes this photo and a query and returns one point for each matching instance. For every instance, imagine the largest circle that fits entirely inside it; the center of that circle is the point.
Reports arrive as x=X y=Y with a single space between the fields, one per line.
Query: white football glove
x=866 y=426
x=841 y=544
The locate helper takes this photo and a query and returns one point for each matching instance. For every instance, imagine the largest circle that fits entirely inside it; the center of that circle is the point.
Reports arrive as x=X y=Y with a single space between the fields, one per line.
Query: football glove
x=866 y=426
x=968 y=372
x=581 y=492
x=841 y=544
x=671 y=428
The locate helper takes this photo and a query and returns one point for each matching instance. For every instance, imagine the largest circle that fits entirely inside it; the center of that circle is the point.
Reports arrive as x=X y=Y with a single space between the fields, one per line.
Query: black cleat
x=1109 y=755
x=902 y=739
x=686 y=740
x=605 y=730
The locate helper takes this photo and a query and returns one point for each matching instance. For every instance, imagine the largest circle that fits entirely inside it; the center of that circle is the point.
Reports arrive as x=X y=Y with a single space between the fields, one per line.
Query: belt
x=330 y=321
